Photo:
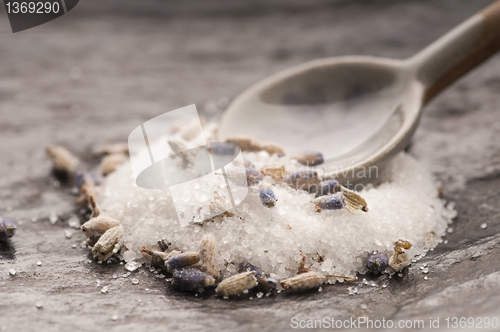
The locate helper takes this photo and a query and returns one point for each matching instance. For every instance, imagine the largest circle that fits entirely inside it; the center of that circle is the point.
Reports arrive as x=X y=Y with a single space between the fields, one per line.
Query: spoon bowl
x=359 y=111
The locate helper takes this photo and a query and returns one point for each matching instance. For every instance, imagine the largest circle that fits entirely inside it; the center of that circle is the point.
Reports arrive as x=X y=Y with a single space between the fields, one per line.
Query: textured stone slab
x=94 y=74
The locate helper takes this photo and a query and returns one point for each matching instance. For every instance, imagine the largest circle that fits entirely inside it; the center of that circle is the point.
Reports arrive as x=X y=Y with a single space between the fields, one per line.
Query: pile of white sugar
x=405 y=206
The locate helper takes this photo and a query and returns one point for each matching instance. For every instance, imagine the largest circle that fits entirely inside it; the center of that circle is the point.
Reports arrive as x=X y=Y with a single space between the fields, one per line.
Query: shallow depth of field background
x=96 y=73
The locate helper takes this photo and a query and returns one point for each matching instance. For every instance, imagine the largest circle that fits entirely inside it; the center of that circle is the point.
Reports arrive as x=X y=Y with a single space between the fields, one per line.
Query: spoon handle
x=459 y=51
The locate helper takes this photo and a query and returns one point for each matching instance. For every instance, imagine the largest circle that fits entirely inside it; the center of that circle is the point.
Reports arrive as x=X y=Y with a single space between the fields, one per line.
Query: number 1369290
x=32 y=7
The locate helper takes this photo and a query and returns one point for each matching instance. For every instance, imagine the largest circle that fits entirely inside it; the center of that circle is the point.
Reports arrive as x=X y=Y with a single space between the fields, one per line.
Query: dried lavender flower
x=87 y=178
x=377 y=262
x=354 y=201
x=267 y=196
x=328 y=187
x=109 y=243
x=7 y=229
x=111 y=162
x=237 y=284
x=182 y=260
x=157 y=257
x=99 y=225
x=93 y=207
x=330 y=202
x=208 y=251
x=85 y=192
x=63 y=161
x=191 y=280
x=400 y=259
x=253 y=176
x=303 y=281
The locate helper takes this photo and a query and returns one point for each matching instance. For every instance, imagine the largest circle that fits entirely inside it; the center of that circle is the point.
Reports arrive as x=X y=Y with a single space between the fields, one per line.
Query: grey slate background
x=94 y=74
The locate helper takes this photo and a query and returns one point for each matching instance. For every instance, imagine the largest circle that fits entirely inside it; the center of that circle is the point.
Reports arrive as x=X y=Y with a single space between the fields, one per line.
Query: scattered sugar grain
x=53 y=217
x=68 y=233
x=352 y=290
x=132 y=266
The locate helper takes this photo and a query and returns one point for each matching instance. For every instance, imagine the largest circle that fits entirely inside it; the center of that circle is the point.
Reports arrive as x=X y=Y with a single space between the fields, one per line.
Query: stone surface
x=95 y=73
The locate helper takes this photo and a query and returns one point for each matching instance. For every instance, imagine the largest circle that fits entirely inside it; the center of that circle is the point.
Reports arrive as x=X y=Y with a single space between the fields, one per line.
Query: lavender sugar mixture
x=295 y=230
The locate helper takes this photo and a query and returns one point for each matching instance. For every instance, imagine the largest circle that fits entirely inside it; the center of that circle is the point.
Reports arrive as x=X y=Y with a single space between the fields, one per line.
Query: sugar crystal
x=405 y=206
x=132 y=266
x=68 y=233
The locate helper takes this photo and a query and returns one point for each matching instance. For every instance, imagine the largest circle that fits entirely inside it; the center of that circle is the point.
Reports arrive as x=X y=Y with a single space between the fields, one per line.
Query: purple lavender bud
x=328 y=187
x=247 y=267
x=267 y=197
x=272 y=284
x=87 y=178
x=332 y=202
x=377 y=262
x=191 y=280
x=253 y=176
